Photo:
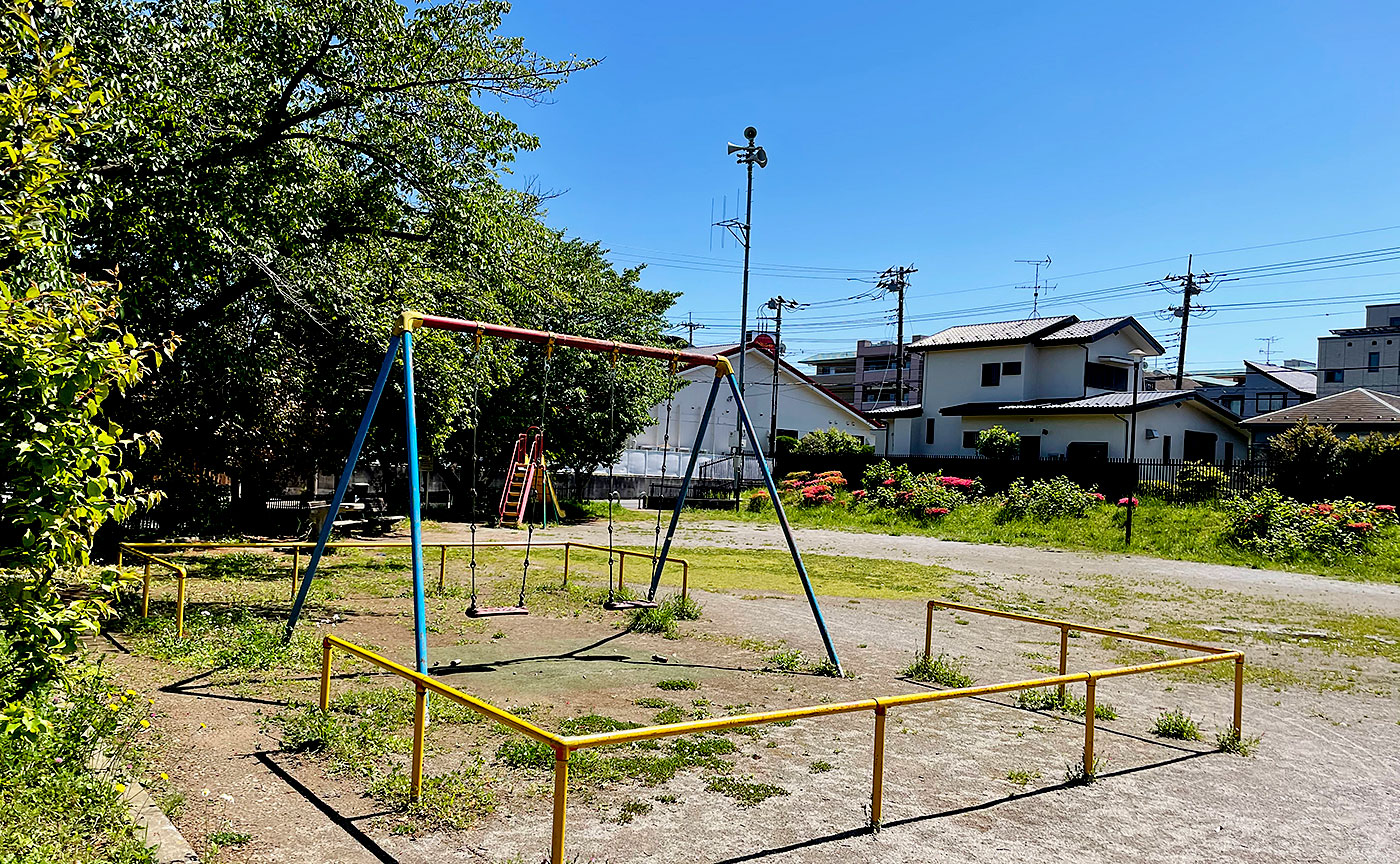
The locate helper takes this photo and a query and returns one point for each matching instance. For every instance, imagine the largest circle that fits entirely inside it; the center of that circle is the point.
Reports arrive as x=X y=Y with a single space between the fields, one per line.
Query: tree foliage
x=830 y=442
x=283 y=177
x=998 y=443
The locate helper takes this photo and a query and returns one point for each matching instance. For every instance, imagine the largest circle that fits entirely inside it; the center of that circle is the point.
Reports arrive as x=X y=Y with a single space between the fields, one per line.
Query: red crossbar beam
x=542 y=337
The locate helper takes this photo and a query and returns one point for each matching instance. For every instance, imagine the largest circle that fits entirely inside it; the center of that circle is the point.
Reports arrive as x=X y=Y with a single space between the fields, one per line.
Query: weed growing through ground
x=225 y=837
x=1176 y=724
x=631 y=809
x=654 y=702
x=1021 y=776
x=1076 y=775
x=786 y=661
x=743 y=790
x=1066 y=703
x=678 y=684
x=1229 y=740
x=661 y=621
x=942 y=670
x=647 y=762
x=821 y=766
x=449 y=801
x=668 y=798
x=683 y=608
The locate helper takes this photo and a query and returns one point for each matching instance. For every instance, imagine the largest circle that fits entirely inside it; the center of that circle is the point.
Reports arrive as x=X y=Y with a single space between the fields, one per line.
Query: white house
x=1062 y=384
x=803 y=406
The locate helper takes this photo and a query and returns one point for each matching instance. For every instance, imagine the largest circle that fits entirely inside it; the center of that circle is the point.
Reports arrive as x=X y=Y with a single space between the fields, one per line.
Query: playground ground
x=1323 y=691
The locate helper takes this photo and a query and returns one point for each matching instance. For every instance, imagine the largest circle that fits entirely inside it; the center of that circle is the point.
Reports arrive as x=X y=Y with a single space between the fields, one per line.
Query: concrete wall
x=1349 y=355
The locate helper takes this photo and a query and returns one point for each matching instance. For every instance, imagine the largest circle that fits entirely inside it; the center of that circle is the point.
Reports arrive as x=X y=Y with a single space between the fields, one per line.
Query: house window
x=928 y=430
x=970 y=439
x=1234 y=403
x=1265 y=402
x=1332 y=376
x=878 y=364
x=1373 y=361
x=1011 y=367
x=991 y=374
x=1101 y=376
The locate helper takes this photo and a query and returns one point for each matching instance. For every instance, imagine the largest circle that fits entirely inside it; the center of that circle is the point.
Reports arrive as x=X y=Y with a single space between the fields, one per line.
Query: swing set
x=410 y=322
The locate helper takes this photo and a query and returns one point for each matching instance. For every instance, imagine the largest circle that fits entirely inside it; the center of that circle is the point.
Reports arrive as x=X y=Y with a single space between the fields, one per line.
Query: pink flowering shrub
x=759 y=501
x=1125 y=502
x=1281 y=528
x=895 y=487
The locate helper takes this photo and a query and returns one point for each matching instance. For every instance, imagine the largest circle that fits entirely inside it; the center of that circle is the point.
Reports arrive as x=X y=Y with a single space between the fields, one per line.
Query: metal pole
x=1239 y=694
x=743 y=334
x=420 y=719
x=685 y=481
x=1064 y=656
x=877 y=780
x=777 y=350
x=787 y=532
x=1132 y=457
x=415 y=513
x=561 y=800
x=325 y=674
x=1089 y=729
x=329 y=524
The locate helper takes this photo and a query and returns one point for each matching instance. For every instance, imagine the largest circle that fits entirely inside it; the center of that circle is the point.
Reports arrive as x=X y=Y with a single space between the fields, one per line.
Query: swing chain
x=475 y=414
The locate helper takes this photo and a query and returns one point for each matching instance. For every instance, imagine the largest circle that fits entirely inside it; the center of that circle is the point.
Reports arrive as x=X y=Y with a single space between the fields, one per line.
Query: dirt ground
x=1323 y=786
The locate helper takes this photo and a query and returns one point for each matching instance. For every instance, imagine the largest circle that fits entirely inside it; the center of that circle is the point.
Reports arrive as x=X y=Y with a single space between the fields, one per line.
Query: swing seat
x=616 y=605
x=493 y=611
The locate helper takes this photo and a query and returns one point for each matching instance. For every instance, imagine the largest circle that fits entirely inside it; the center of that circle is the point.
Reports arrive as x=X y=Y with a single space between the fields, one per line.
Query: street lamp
x=1138 y=355
x=748 y=155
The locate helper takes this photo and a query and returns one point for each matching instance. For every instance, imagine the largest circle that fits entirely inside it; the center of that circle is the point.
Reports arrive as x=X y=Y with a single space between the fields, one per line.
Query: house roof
x=730 y=350
x=892 y=411
x=995 y=333
x=1104 y=403
x=830 y=355
x=1059 y=330
x=1298 y=382
x=1350 y=407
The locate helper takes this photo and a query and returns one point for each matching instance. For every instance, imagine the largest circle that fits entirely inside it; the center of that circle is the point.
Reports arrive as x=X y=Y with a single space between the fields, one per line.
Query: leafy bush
x=1200 y=481
x=786 y=444
x=830 y=442
x=998 y=443
x=895 y=487
x=1281 y=528
x=758 y=501
x=1055 y=498
x=1307 y=460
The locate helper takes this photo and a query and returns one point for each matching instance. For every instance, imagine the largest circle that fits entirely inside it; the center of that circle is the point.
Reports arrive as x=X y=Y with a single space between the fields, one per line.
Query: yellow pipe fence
x=139 y=550
x=565 y=745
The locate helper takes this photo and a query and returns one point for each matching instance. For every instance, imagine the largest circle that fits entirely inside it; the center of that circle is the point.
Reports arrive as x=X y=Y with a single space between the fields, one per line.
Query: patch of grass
x=631 y=809
x=450 y=801
x=172 y=804
x=661 y=621
x=590 y=724
x=670 y=714
x=668 y=798
x=821 y=766
x=1050 y=699
x=235 y=637
x=678 y=684
x=647 y=762
x=1076 y=775
x=351 y=744
x=1021 y=776
x=229 y=838
x=1228 y=740
x=654 y=702
x=743 y=790
x=827 y=669
x=683 y=608
x=1176 y=724
x=786 y=661
x=942 y=670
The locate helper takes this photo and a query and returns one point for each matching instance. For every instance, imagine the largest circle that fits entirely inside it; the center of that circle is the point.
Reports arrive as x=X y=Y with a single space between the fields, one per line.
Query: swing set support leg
x=415 y=514
x=328 y=525
x=685 y=486
x=787 y=529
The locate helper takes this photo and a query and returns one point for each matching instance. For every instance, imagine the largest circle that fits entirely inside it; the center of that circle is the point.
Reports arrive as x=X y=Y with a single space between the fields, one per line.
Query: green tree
x=62 y=356
x=998 y=443
x=1306 y=460
x=285 y=177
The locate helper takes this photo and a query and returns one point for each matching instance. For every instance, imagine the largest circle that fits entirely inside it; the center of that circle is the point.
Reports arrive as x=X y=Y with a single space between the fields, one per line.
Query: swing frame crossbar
x=410 y=322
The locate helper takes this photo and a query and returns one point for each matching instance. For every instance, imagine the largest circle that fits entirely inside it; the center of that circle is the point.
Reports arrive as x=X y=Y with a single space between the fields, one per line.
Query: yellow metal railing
x=564 y=746
x=297 y=547
x=180 y=576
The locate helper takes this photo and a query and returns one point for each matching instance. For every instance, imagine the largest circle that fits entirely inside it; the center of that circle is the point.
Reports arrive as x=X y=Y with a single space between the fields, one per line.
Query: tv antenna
x=1037 y=287
x=1268 y=349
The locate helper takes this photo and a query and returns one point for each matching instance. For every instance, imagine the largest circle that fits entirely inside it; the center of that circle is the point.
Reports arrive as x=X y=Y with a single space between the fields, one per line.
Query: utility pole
x=1191 y=285
x=896 y=279
x=748 y=155
x=777 y=304
x=690 y=327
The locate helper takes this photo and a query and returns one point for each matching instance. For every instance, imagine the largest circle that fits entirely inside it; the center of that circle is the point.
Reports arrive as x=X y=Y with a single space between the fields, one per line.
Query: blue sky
x=960 y=137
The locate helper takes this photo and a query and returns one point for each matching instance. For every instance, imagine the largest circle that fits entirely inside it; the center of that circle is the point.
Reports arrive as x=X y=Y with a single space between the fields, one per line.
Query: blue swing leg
x=344 y=483
x=415 y=515
x=787 y=529
x=685 y=488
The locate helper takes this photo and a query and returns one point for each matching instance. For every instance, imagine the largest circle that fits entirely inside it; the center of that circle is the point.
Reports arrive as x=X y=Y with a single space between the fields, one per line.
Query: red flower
x=1324 y=508
x=1124 y=502
x=1097 y=496
x=859 y=493
x=1361 y=527
x=936 y=511
x=1385 y=508
x=889 y=481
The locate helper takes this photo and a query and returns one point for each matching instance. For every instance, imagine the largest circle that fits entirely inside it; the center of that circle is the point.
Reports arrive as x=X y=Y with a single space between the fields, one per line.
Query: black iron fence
x=1170 y=478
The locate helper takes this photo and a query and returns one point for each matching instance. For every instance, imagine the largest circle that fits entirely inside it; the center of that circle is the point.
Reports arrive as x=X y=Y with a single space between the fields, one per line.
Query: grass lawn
x=1183 y=532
